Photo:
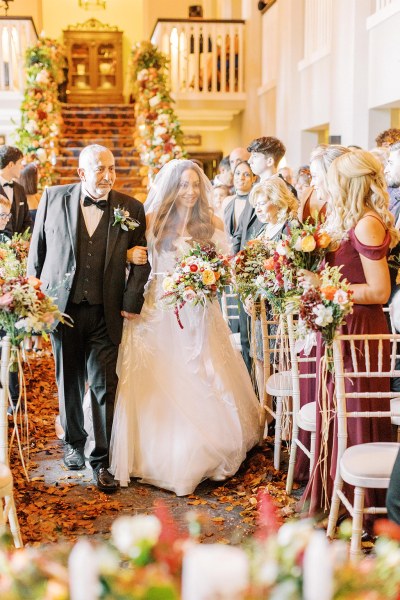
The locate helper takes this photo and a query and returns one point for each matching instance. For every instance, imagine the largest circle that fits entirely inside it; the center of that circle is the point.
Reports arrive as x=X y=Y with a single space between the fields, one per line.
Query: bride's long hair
x=165 y=221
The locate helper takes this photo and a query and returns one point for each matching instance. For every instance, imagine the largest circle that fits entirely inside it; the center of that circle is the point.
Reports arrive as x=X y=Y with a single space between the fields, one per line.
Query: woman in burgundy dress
x=313 y=206
x=358 y=214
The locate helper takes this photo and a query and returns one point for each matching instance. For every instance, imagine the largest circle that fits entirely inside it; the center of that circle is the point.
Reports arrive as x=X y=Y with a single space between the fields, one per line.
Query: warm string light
x=88 y=4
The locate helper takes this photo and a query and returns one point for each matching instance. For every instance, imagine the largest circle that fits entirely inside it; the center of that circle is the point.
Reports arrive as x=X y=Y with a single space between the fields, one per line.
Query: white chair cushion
x=395 y=407
x=307 y=417
x=369 y=465
x=280 y=384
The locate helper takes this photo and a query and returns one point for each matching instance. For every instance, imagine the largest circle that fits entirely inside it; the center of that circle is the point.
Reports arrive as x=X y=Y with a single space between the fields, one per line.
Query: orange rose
x=329 y=291
x=269 y=264
x=323 y=239
x=217 y=275
x=34 y=282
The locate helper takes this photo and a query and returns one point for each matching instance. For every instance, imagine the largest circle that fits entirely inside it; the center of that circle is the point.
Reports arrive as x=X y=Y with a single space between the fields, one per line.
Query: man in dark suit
x=79 y=247
x=10 y=169
x=265 y=156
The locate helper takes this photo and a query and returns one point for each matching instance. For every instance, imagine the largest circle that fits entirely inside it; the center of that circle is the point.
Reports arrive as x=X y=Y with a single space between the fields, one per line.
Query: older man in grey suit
x=79 y=246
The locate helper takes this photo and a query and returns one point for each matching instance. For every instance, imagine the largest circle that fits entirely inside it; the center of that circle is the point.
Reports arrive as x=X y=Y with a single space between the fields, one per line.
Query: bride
x=185 y=407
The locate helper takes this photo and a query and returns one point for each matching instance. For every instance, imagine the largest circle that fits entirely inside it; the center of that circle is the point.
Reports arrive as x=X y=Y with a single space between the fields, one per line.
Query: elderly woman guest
x=275 y=205
x=358 y=214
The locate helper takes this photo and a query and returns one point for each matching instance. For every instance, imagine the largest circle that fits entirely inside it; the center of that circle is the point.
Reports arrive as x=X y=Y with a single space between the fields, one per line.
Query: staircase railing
x=206 y=56
x=16 y=35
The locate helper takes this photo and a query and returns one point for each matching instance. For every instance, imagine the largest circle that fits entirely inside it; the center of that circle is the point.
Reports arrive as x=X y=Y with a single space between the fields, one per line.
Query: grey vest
x=91 y=256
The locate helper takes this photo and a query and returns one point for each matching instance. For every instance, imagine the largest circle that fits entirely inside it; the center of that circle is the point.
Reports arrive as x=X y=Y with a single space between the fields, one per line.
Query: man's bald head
x=238 y=155
x=96 y=170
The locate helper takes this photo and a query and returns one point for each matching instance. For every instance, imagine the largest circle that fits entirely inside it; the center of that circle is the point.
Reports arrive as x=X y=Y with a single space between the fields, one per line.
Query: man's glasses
x=5 y=216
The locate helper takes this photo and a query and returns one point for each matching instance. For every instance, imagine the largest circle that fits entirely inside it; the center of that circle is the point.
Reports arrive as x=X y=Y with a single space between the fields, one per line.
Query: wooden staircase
x=111 y=125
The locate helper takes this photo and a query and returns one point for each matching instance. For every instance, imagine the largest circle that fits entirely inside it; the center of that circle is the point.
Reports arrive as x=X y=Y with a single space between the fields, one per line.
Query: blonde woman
x=358 y=213
x=313 y=204
x=274 y=205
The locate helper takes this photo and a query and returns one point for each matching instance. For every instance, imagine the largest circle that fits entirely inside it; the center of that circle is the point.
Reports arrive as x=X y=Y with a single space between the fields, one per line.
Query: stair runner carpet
x=111 y=125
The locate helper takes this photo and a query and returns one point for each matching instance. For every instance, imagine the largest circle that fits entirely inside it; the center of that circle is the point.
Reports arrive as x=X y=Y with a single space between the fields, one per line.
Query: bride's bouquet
x=197 y=278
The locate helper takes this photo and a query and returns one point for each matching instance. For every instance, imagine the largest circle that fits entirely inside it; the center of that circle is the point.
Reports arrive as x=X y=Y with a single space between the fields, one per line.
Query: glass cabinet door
x=106 y=64
x=80 y=75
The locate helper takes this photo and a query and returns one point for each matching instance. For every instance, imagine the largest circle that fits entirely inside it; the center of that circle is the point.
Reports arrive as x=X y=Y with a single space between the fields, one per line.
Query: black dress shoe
x=73 y=458
x=105 y=481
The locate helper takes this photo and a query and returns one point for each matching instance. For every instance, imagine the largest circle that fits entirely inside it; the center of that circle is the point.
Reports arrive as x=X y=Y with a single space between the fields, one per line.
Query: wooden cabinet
x=94 y=54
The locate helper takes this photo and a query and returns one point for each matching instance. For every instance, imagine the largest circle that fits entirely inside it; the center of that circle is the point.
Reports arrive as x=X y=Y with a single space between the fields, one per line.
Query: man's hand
x=137 y=255
x=129 y=316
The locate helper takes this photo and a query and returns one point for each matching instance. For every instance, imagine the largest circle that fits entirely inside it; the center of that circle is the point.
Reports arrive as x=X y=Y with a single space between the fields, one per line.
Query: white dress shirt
x=91 y=214
x=9 y=191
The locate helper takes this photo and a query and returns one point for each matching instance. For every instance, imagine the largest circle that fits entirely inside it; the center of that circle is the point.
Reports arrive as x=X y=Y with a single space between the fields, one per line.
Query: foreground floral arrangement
x=147 y=557
x=197 y=278
x=159 y=136
x=41 y=121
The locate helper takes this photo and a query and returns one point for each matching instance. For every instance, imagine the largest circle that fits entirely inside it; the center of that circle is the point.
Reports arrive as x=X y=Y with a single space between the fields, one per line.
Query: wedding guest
x=287 y=174
x=392 y=175
x=358 y=214
x=225 y=175
x=303 y=180
x=220 y=193
x=10 y=169
x=388 y=137
x=313 y=204
x=265 y=156
x=274 y=205
x=236 y=156
x=243 y=181
x=5 y=236
x=29 y=180
x=313 y=207
x=80 y=246
x=5 y=215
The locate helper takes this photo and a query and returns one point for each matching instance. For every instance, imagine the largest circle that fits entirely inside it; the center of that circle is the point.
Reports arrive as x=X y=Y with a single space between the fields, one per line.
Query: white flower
x=155 y=100
x=42 y=76
x=297 y=245
x=143 y=74
x=281 y=248
x=129 y=532
x=186 y=269
x=165 y=158
x=189 y=296
x=341 y=297
x=159 y=130
x=31 y=126
x=41 y=154
x=324 y=315
x=168 y=284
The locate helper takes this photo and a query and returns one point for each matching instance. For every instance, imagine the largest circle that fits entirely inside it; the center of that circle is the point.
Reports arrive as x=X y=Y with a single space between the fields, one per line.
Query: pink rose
x=5 y=300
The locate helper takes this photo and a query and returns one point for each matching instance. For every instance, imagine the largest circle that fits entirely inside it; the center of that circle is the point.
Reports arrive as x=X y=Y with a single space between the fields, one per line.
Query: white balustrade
x=206 y=57
x=16 y=35
x=381 y=4
x=317 y=28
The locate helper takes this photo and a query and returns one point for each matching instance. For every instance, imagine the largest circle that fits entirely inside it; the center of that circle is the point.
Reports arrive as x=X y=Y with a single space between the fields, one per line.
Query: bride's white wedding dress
x=185 y=408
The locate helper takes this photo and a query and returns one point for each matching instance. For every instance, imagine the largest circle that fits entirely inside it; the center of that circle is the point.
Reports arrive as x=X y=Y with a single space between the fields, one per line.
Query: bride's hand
x=129 y=316
x=308 y=279
x=137 y=255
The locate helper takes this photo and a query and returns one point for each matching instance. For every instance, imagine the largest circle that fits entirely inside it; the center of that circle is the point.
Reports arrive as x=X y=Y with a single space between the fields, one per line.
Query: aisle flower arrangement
x=41 y=121
x=198 y=276
x=159 y=135
x=147 y=558
x=325 y=308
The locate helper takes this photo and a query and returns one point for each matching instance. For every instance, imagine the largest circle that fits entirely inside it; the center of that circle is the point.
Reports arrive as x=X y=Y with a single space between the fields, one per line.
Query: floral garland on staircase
x=159 y=135
x=41 y=121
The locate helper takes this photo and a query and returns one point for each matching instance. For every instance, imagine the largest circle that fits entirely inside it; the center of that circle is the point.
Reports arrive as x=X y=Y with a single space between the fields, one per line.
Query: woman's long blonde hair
x=357 y=184
x=323 y=155
x=276 y=191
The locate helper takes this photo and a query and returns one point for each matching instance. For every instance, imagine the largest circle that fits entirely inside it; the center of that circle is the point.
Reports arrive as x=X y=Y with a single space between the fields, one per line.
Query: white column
x=252 y=72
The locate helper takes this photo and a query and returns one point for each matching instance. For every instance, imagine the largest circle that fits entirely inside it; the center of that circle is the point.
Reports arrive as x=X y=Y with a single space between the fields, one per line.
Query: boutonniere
x=122 y=218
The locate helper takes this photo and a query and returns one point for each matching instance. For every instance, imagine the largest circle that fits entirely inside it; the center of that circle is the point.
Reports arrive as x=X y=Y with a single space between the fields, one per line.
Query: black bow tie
x=101 y=204
x=9 y=184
